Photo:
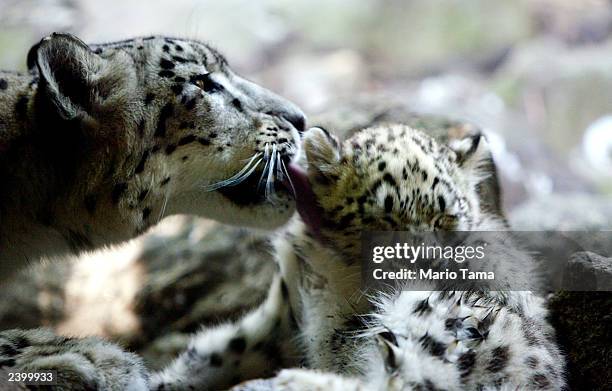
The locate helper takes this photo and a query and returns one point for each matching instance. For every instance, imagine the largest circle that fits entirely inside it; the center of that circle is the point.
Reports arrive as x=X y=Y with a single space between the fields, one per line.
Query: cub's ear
x=322 y=152
x=389 y=349
x=75 y=80
x=471 y=151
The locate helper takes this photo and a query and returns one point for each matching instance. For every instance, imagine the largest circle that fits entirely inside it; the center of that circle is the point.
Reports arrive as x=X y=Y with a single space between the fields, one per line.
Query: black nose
x=298 y=120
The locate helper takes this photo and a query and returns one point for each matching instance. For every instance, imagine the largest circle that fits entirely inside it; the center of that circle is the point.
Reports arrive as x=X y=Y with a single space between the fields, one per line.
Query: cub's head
x=387 y=178
x=169 y=118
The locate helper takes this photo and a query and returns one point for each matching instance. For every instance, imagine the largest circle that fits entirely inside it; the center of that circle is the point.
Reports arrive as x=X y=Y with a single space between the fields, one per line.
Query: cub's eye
x=445 y=222
x=206 y=83
x=199 y=83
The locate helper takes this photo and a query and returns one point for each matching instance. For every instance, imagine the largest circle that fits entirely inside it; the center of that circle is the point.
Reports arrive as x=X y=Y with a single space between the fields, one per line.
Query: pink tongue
x=306 y=201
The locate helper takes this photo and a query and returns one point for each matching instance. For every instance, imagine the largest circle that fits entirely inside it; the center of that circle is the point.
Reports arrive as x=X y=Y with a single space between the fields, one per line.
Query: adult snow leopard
x=316 y=315
x=100 y=142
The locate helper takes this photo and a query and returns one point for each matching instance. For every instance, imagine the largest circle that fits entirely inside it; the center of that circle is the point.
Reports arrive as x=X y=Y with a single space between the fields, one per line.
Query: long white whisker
x=248 y=174
x=267 y=151
x=265 y=169
x=279 y=169
x=249 y=158
x=289 y=178
x=270 y=180
x=163 y=209
x=232 y=179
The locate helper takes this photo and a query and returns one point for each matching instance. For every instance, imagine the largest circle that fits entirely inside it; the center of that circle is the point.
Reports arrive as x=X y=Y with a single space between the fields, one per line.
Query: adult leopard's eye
x=206 y=83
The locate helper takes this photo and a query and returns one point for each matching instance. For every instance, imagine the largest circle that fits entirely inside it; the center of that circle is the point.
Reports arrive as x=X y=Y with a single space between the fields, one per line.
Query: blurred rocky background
x=536 y=75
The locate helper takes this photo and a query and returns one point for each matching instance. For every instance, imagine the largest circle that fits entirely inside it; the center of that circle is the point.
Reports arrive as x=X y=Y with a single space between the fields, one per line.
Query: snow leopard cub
x=317 y=316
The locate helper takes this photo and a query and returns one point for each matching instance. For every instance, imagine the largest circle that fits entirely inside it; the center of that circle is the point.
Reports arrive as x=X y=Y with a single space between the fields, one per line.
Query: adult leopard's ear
x=75 y=81
x=322 y=152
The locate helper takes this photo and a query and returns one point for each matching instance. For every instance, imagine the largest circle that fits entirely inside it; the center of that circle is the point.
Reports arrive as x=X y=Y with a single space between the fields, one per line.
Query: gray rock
x=587 y=269
x=583 y=322
x=561 y=225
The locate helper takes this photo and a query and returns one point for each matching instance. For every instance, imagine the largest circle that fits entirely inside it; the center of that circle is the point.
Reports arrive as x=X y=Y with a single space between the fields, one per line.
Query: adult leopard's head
x=172 y=127
x=387 y=178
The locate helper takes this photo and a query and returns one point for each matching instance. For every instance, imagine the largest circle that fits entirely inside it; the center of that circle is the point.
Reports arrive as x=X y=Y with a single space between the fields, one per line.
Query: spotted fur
x=99 y=142
x=386 y=178
x=80 y=364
